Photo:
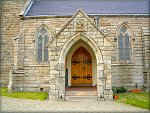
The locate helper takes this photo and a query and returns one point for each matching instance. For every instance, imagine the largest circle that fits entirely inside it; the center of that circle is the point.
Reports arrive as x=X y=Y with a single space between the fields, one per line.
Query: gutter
x=46 y=16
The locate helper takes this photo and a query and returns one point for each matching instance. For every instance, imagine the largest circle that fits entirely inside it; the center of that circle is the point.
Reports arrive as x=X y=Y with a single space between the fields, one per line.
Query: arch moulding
x=99 y=60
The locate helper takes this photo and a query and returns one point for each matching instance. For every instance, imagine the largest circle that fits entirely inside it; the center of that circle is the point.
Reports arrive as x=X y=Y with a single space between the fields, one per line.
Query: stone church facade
x=43 y=52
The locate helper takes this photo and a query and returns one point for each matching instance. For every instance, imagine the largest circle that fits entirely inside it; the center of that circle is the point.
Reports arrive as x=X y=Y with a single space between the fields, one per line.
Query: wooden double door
x=81 y=68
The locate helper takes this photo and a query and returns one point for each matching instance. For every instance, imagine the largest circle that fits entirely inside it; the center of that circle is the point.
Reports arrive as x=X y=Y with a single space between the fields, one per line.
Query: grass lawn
x=136 y=99
x=24 y=95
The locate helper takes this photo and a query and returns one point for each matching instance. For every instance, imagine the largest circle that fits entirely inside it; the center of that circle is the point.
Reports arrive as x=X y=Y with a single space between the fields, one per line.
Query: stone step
x=81 y=93
x=81 y=98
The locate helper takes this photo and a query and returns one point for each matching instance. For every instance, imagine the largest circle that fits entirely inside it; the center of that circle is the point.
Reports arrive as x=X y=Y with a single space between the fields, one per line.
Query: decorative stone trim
x=71 y=19
x=37 y=65
x=126 y=64
x=26 y=8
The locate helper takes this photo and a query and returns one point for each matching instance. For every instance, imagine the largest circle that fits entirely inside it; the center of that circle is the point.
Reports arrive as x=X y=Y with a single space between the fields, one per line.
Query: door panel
x=81 y=67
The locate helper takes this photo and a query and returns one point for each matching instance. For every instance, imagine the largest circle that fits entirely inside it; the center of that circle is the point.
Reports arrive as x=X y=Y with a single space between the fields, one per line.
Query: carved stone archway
x=99 y=60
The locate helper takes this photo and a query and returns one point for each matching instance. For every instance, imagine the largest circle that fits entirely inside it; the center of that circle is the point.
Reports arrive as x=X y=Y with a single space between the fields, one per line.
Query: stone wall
x=128 y=74
x=146 y=56
x=43 y=75
x=10 y=25
x=109 y=25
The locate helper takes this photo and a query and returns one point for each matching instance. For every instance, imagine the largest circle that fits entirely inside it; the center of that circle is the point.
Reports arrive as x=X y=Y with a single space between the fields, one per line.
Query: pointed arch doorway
x=81 y=68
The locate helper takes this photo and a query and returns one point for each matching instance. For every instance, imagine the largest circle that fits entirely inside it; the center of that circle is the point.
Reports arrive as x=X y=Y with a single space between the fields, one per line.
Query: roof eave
x=43 y=16
x=134 y=14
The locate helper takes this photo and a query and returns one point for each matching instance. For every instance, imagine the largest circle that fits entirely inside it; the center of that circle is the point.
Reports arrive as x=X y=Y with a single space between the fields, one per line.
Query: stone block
x=108 y=86
x=62 y=74
x=108 y=92
x=110 y=97
x=100 y=74
x=52 y=97
x=61 y=80
x=51 y=92
x=61 y=89
x=61 y=67
x=52 y=87
x=100 y=89
x=54 y=72
x=99 y=82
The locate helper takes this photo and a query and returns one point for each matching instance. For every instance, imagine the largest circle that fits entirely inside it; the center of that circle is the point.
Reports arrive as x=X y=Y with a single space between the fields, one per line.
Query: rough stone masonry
x=21 y=70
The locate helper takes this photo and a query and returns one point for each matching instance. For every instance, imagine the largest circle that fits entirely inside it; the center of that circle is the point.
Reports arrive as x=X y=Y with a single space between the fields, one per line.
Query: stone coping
x=37 y=65
x=126 y=65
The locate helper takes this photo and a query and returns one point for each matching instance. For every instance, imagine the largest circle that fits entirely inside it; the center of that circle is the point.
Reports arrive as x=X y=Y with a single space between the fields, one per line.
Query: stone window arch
x=124 y=44
x=42 y=40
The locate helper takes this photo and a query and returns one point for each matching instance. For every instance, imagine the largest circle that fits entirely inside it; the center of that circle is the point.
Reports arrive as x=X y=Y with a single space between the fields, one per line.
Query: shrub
x=118 y=89
x=114 y=89
x=121 y=90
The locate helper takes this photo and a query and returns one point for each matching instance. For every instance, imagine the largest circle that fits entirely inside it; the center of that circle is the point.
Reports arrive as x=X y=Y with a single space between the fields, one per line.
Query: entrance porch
x=89 y=66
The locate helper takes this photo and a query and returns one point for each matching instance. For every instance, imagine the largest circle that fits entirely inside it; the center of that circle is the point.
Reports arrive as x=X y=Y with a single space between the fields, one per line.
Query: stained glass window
x=124 y=50
x=42 y=51
x=121 y=47
x=127 y=45
x=40 y=48
x=46 y=49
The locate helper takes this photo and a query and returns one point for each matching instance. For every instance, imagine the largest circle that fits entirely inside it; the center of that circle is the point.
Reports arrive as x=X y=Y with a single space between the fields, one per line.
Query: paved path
x=25 y=105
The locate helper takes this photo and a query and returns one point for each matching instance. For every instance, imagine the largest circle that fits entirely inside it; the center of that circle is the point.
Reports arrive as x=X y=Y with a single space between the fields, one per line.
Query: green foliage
x=121 y=90
x=118 y=89
x=24 y=95
x=136 y=99
x=114 y=89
